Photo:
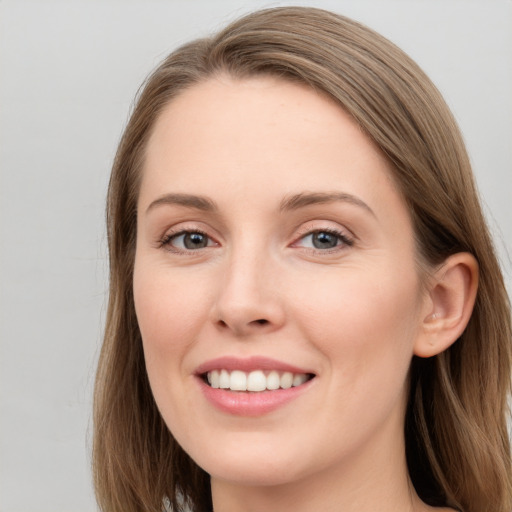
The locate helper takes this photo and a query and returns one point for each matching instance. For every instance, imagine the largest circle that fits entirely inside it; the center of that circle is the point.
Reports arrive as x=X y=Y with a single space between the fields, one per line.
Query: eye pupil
x=324 y=240
x=195 y=241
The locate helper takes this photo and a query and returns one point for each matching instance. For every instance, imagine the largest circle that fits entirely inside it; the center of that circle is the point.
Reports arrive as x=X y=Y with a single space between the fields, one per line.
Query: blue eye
x=188 y=240
x=324 y=240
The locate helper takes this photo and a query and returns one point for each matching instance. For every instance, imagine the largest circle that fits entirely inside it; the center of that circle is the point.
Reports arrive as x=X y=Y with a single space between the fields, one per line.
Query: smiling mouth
x=254 y=381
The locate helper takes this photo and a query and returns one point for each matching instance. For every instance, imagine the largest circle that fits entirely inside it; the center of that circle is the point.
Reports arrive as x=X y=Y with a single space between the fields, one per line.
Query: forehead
x=256 y=106
x=259 y=136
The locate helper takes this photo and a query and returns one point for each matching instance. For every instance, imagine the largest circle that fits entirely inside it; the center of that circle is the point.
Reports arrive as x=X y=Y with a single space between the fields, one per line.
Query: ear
x=449 y=304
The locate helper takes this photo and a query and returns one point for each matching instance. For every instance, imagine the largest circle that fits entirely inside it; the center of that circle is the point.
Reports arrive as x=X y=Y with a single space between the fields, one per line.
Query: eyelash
x=345 y=240
x=342 y=237
x=165 y=242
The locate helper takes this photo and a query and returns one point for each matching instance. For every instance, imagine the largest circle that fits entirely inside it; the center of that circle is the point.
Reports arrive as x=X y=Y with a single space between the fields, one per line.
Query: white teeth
x=254 y=381
x=224 y=380
x=213 y=378
x=273 y=380
x=299 y=379
x=238 y=381
x=286 y=380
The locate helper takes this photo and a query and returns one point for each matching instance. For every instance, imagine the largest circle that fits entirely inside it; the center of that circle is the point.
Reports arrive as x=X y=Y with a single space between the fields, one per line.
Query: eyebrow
x=297 y=201
x=188 y=200
x=289 y=203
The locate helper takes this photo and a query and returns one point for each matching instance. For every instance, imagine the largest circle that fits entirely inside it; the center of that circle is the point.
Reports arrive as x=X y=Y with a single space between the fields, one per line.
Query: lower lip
x=246 y=403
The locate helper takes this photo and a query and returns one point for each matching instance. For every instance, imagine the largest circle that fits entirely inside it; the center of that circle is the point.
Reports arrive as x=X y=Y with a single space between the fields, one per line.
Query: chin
x=248 y=474
x=253 y=462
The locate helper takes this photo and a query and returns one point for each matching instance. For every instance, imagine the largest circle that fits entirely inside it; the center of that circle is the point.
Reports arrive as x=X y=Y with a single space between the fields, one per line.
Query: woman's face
x=274 y=250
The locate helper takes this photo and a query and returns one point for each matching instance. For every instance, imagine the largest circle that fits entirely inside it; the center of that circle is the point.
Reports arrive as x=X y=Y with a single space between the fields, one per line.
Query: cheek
x=365 y=328
x=170 y=311
x=364 y=323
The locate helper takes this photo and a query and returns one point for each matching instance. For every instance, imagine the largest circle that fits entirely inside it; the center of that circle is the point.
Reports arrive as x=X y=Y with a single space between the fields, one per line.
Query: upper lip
x=247 y=364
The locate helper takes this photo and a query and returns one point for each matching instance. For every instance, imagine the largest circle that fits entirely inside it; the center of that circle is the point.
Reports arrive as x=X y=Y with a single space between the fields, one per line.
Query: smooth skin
x=269 y=225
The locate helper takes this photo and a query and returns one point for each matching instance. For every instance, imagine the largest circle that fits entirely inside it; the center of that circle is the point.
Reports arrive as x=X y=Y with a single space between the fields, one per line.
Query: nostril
x=261 y=321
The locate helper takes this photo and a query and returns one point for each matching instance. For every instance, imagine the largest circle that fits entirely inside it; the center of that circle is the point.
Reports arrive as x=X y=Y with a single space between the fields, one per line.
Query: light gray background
x=69 y=71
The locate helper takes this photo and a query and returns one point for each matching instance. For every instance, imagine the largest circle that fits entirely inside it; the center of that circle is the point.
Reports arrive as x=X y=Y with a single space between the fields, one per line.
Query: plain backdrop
x=68 y=73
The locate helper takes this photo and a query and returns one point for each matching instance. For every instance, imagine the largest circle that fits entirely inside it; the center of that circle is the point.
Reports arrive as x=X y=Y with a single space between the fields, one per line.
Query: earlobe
x=451 y=297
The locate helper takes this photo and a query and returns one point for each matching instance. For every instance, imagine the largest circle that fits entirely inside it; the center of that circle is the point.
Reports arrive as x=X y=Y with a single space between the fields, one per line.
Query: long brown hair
x=456 y=435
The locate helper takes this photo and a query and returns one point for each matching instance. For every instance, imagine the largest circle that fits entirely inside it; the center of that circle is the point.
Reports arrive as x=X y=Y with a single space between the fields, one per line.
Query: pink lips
x=247 y=365
x=244 y=403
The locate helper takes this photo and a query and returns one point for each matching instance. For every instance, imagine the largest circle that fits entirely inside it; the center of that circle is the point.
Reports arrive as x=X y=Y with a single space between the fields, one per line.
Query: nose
x=249 y=301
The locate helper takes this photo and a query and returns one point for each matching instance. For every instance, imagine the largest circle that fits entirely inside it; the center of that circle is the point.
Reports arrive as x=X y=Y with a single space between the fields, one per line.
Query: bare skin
x=269 y=226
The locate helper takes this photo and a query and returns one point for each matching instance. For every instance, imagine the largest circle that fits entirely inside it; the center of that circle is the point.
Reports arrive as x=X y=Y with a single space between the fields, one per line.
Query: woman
x=305 y=307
